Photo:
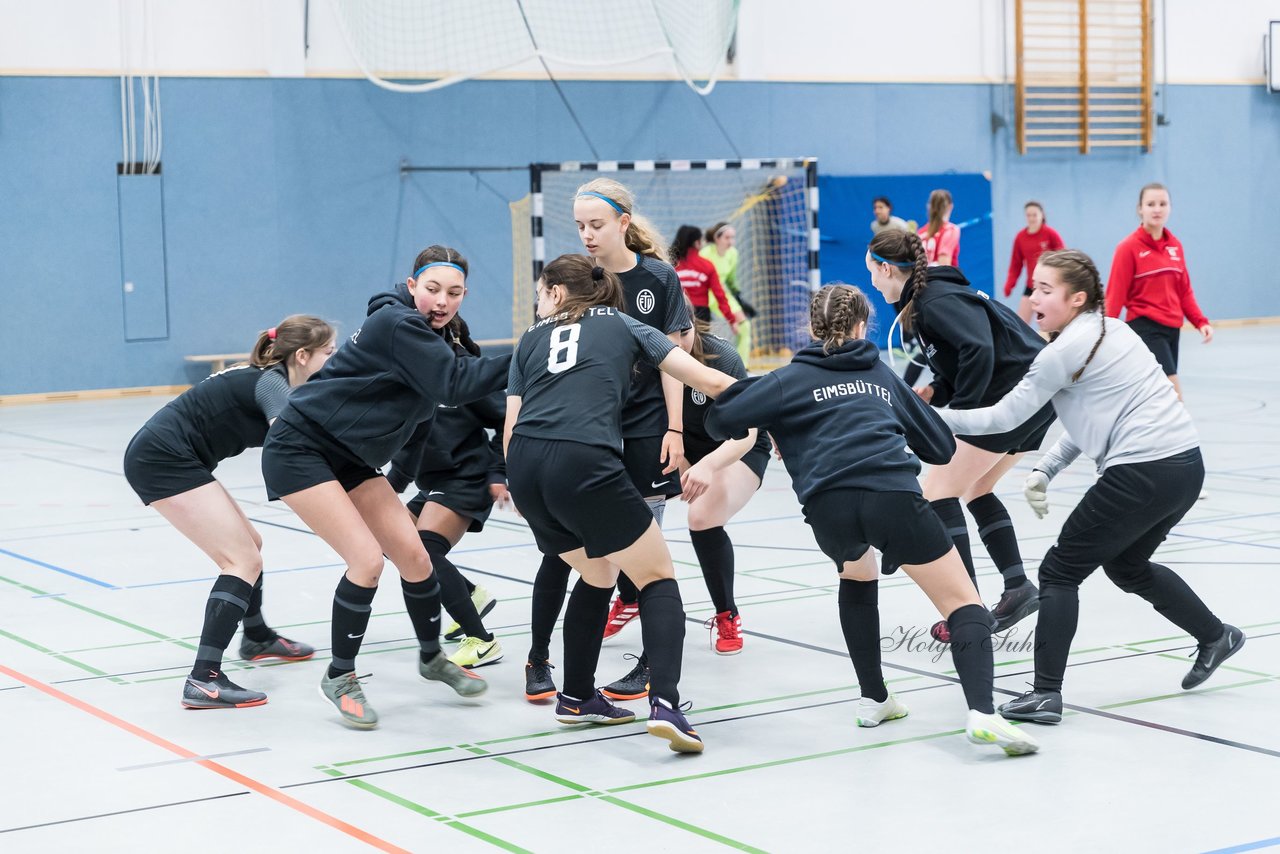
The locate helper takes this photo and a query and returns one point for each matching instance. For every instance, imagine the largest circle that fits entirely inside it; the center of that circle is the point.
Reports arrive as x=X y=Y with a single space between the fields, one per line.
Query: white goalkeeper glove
x=1036 y=490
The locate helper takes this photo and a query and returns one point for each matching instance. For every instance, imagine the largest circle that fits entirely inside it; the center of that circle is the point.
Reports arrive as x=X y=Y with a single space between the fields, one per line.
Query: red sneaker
x=728 y=629
x=619 y=615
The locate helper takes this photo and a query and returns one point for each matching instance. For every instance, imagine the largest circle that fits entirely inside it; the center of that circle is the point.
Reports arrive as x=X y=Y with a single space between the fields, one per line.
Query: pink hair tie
x=271 y=333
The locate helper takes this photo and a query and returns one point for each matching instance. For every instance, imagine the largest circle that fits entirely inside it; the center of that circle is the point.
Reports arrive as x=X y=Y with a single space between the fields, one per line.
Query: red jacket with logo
x=1027 y=248
x=1149 y=279
x=697 y=277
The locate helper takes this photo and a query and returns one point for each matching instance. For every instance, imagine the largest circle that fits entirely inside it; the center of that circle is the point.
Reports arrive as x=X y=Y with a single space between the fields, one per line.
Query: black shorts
x=575 y=496
x=293 y=461
x=756 y=459
x=902 y=525
x=468 y=497
x=1027 y=436
x=156 y=471
x=640 y=458
x=702 y=312
x=1161 y=340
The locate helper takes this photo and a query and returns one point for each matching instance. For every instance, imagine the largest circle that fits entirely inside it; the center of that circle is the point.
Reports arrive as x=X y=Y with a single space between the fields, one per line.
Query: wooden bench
x=218 y=361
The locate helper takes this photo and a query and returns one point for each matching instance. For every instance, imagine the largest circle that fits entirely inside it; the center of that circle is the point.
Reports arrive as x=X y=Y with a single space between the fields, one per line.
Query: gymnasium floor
x=100 y=603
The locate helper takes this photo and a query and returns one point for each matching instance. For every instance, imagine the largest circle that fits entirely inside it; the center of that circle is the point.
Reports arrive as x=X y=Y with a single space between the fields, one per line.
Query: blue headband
x=439 y=264
x=902 y=265
x=617 y=207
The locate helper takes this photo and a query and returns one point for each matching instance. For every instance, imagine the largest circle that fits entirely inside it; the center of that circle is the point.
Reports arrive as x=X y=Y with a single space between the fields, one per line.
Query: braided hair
x=1081 y=275
x=835 y=312
x=904 y=250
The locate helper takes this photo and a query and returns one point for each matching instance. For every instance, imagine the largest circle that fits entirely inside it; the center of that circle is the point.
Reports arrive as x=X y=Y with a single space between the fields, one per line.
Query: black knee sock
x=352 y=605
x=453 y=589
x=1055 y=629
x=584 y=621
x=422 y=601
x=715 y=556
x=255 y=625
x=662 y=630
x=996 y=530
x=1176 y=602
x=627 y=591
x=971 y=652
x=548 y=595
x=860 y=622
x=952 y=516
x=222 y=613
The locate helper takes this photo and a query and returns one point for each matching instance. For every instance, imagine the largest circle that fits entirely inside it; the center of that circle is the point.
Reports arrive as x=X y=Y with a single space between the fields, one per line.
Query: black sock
x=952 y=516
x=715 y=555
x=1055 y=627
x=662 y=630
x=453 y=589
x=255 y=625
x=584 y=621
x=860 y=622
x=996 y=530
x=548 y=596
x=627 y=591
x=422 y=601
x=222 y=613
x=352 y=605
x=971 y=652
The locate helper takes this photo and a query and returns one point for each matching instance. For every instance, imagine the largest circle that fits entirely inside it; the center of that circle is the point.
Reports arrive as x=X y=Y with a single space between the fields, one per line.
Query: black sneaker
x=218 y=692
x=1041 y=707
x=596 y=710
x=538 y=684
x=1014 y=605
x=278 y=647
x=633 y=686
x=1210 y=655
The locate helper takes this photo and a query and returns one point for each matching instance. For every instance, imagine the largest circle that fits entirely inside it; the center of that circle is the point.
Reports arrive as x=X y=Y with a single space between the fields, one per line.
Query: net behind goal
x=771 y=203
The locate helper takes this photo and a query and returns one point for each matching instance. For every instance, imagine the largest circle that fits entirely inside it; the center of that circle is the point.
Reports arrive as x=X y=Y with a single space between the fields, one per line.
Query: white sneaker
x=872 y=713
x=993 y=729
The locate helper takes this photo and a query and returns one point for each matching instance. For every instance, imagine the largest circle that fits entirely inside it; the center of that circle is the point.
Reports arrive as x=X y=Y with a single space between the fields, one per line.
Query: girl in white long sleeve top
x=1118 y=408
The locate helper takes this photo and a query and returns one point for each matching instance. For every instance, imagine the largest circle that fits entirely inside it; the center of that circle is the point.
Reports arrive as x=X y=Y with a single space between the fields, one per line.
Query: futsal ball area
x=101 y=598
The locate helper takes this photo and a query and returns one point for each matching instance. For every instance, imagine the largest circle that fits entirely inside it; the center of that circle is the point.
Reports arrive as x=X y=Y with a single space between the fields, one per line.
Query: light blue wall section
x=285 y=195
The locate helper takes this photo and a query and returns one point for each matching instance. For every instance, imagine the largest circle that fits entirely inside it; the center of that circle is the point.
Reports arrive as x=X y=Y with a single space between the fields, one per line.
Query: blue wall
x=285 y=195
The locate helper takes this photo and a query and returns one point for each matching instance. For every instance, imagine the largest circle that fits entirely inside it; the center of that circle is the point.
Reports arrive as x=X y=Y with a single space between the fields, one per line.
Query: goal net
x=772 y=205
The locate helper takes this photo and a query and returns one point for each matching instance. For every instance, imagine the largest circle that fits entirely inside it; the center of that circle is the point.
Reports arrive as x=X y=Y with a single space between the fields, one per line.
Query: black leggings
x=1118 y=525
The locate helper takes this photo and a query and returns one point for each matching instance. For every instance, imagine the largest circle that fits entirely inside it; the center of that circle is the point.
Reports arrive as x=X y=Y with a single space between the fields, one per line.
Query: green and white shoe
x=473 y=652
x=872 y=713
x=993 y=729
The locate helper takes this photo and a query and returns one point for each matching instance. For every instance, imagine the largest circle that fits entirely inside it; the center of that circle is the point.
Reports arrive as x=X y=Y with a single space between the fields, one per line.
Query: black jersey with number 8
x=572 y=378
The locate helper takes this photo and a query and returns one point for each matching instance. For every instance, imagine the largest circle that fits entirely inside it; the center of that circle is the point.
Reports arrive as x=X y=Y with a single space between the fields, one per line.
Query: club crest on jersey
x=1173 y=252
x=644 y=301
x=699 y=399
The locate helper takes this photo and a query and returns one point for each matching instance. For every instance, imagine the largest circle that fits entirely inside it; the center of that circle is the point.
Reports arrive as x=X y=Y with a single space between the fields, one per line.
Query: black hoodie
x=842 y=420
x=978 y=348
x=387 y=379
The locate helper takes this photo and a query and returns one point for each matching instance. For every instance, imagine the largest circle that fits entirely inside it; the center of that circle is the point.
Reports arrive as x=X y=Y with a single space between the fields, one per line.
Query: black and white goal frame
x=810 y=165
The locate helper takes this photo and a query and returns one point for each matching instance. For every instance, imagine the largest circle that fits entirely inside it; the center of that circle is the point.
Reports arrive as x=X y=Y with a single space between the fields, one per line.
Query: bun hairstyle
x=835 y=312
x=1079 y=273
x=296 y=332
x=904 y=250
x=586 y=285
x=641 y=236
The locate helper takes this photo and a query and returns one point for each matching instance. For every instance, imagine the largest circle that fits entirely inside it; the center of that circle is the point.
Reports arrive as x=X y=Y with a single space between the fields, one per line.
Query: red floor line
x=248 y=782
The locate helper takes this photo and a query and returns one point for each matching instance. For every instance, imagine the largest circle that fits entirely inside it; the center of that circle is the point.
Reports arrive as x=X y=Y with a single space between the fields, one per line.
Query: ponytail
x=904 y=250
x=296 y=332
x=585 y=284
x=1079 y=273
x=641 y=235
x=938 y=202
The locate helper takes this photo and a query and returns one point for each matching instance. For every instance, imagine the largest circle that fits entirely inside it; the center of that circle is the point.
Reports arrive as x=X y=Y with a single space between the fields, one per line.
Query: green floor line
x=525 y=805
x=389 y=756
x=65 y=659
x=443 y=819
x=1183 y=694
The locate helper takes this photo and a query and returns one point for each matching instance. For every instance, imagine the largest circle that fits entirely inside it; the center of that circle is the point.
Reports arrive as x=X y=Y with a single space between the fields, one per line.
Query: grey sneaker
x=347 y=696
x=441 y=669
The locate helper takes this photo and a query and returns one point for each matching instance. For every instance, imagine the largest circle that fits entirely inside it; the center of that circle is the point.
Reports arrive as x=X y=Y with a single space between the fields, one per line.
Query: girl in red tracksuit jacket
x=1036 y=238
x=1149 y=280
x=698 y=276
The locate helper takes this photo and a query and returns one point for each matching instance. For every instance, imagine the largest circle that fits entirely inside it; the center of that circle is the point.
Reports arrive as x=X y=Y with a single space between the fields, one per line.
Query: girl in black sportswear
x=322 y=457
x=460 y=474
x=170 y=463
x=720 y=481
x=842 y=422
x=564 y=447
x=978 y=350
